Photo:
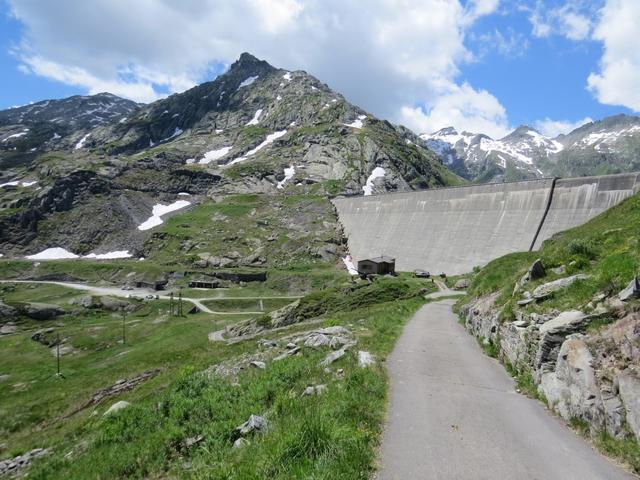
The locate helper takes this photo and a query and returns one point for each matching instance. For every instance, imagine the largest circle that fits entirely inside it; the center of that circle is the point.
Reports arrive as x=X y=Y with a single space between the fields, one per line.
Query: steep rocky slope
x=567 y=325
x=255 y=129
x=597 y=148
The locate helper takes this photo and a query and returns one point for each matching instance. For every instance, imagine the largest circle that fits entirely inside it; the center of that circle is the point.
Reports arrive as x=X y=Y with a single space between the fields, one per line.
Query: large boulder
x=42 y=311
x=546 y=289
x=462 y=284
x=535 y=272
x=632 y=291
x=116 y=305
x=86 y=301
x=116 y=407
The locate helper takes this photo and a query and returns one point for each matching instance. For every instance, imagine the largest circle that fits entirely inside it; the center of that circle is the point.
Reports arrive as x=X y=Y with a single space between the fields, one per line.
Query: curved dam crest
x=455 y=229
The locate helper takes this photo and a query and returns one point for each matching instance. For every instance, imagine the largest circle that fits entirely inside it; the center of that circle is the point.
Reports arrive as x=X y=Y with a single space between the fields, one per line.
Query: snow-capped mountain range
x=608 y=146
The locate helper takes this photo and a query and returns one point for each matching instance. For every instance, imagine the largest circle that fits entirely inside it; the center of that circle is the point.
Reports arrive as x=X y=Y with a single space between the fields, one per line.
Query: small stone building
x=151 y=282
x=204 y=282
x=382 y=265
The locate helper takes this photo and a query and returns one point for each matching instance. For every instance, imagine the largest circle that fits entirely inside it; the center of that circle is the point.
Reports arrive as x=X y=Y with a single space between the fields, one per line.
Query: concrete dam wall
x=454 y=229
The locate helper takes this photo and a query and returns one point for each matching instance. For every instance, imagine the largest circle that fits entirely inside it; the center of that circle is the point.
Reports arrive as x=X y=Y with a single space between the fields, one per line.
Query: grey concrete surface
x=455 y=414
x=455 y=229
x=578 y=200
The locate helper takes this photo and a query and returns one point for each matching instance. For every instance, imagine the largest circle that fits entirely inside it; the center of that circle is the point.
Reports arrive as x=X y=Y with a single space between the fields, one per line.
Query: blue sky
x=480 y=65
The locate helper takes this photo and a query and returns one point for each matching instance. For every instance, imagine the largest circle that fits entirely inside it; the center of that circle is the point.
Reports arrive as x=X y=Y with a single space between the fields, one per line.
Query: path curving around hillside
x=455 y=414
x=142 y=292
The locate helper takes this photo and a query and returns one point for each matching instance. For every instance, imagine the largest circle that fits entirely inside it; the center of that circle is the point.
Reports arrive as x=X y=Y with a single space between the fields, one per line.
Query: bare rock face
x=572 y=388
x=482 y=317
x=552 y=335
x=629 y=386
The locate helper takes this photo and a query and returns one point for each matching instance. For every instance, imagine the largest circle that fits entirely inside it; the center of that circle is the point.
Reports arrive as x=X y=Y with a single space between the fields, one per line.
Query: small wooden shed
x=382 y=265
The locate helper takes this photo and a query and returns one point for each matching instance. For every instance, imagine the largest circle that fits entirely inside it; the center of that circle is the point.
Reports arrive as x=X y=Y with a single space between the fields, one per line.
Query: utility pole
x=58 y=355
x=180 y=303
x=124 y=317
x=171 y=304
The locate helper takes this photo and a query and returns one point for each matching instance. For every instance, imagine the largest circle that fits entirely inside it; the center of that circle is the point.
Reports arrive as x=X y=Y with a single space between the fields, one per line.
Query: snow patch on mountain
x=288 y=175
x=80 y=144
x=158 y=211
x=55 y=253
x=357 y=123
x=377 y=172
x=247 y=82
x=212 y=155
x=255 y=119
x=272 y=137
x=109 y=255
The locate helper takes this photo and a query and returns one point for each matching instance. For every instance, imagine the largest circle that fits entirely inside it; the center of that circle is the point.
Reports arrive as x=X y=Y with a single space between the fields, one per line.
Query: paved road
x=142 y=292
x=454 y=414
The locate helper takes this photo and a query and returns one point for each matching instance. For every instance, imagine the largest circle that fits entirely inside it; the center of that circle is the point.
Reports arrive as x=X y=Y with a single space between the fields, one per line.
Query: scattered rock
x=255 y=423
x=259 y=365
x=62 y=350
x=462 y=284
x=632 y=291
x=288 y=353
x=314 y=390
x=365 y=359
x=42 y=311
x=121 y=405
x=335 y=355
x=7 y=311
x=240 y=442
x=546 y=289
x=86 y=301
x=265 y=343
x=8 y=328
x=191 y=441
x=561 y=270
x=12 y=466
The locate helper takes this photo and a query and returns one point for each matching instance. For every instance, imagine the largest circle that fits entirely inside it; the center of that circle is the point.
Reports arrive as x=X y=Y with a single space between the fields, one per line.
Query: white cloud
x=618 y=81
x=463 y=107
x=276 y=15
x=79 y=77
x=382 y=54
x=572 y=20
x=553 y=128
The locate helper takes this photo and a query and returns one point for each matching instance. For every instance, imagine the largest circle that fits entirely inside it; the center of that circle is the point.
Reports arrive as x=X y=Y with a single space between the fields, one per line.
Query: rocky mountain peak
x=248 y=66
x=521 y=131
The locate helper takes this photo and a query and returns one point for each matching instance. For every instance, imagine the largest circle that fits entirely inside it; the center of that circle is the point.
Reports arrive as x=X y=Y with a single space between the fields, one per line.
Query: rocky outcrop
x=572 y=388
x=587 y=374
x=42 y=311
